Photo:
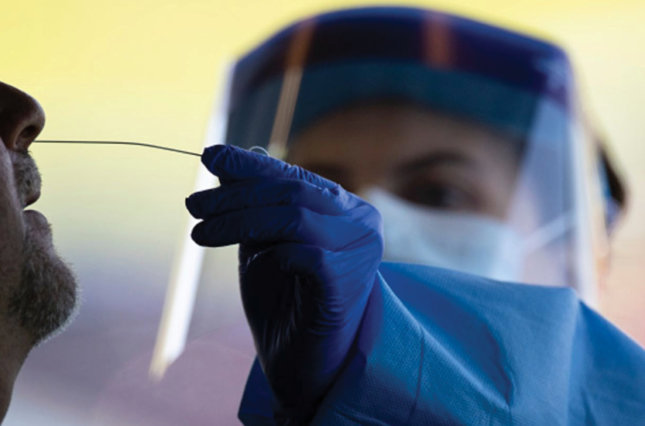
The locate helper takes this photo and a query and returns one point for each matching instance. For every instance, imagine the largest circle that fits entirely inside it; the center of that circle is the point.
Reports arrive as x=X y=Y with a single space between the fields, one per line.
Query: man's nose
x=21 y=118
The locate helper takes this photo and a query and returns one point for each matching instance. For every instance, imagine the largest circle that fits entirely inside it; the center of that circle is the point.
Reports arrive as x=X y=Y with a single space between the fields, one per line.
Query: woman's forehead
x=393 y=132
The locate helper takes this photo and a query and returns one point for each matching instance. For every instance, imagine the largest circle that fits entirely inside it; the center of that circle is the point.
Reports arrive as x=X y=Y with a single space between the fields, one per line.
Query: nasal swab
x=146 y=145
x=185 y=273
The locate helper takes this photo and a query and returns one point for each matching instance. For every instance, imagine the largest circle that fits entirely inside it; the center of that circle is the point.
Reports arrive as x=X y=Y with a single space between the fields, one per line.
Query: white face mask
x=465 y=242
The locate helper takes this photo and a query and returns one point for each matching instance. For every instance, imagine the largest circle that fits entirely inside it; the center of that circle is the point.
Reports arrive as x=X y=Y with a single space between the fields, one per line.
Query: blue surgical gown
x=441 y=347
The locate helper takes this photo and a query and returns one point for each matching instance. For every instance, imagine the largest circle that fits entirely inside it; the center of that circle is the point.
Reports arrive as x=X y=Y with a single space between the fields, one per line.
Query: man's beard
x=45 y=298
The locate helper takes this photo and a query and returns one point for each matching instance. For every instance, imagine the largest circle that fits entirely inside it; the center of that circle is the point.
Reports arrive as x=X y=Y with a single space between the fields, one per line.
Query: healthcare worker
x=457 y=165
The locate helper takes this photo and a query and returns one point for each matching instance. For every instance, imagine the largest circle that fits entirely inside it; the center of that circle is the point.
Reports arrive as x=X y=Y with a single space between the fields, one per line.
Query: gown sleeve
x=442 y=347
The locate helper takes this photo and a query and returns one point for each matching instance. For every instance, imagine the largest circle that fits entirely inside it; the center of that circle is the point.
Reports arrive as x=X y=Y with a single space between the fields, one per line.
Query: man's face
x=37 y=290
x=422 y=156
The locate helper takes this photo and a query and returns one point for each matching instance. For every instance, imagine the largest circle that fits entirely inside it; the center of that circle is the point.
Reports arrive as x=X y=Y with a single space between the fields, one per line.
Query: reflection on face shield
x=467 y=72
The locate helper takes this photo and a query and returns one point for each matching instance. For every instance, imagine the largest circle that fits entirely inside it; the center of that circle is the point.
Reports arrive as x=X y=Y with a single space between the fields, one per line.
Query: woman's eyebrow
x=434 y=159
x=327 y=170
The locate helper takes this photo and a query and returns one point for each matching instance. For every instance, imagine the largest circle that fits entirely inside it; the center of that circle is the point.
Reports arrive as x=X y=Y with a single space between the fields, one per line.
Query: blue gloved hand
x=309 y=252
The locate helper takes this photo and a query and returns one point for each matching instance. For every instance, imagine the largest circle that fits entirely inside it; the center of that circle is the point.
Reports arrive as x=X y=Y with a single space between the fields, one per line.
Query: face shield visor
x=467 y=138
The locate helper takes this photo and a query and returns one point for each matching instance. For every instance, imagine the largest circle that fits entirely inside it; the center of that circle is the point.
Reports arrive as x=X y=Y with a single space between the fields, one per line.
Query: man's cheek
x=11 y=261
x=12 y=224
x=12 y=231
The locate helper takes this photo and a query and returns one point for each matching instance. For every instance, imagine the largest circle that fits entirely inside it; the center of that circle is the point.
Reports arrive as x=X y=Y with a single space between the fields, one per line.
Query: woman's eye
x=440 y=196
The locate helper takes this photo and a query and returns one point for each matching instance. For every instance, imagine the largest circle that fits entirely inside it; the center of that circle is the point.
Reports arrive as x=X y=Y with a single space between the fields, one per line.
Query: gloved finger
x=230 y=163
x=269 y=192
x=281 y=224
x=318 y=266
x=297 y=258
x=303 y=259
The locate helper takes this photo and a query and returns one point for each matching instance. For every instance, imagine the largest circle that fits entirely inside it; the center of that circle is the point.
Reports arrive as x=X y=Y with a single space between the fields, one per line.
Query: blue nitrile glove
x=309 y=252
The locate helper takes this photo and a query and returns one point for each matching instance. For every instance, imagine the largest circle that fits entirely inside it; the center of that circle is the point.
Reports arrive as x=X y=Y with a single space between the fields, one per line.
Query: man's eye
x=440 y=196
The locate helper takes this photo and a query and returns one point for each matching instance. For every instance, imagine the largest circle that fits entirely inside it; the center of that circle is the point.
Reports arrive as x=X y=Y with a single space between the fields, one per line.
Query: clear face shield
x=471 y=146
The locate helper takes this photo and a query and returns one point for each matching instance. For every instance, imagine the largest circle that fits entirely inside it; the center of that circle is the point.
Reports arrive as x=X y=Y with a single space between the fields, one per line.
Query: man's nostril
x=29 y=133
x=21 y=120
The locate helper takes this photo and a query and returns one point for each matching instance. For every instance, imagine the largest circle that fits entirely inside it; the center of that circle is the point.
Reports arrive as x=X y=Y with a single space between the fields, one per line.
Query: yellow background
x=148 y=70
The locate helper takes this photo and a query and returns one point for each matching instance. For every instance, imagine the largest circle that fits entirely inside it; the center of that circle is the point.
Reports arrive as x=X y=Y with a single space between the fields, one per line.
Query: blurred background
x=150 y=71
